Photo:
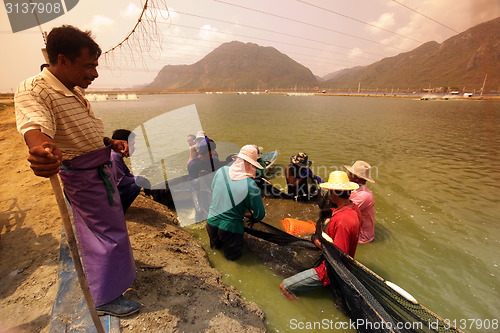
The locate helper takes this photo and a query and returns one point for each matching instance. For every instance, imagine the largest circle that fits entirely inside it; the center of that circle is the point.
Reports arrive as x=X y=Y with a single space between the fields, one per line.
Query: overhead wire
x=206 y=49
x=268 y=40
x=265 y=30
x=360 y=21
x=430 y=18
x=252 y=37
x=284 y=43
x=321 y=62
x=146 y=34
x=310 y=24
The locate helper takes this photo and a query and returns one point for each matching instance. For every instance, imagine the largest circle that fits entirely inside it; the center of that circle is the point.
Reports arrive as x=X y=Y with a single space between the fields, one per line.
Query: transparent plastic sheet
x=161 y=156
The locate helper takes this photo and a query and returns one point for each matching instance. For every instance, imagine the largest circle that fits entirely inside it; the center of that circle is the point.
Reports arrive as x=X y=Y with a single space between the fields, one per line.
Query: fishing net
x=143 y=43
x=281 y=252
x=377 y=306
x=372 y=303
x=360 y=304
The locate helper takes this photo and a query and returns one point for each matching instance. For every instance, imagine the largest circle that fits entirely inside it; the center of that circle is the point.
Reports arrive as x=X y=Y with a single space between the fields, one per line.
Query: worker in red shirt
x=343 y=229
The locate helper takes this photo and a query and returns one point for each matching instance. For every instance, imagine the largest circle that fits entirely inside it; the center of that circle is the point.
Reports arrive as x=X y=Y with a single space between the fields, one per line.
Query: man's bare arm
x=119 y=146
x=44 y=155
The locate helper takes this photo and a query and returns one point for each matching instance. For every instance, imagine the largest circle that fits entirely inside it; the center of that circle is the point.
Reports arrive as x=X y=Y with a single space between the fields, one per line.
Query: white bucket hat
x=250 y=154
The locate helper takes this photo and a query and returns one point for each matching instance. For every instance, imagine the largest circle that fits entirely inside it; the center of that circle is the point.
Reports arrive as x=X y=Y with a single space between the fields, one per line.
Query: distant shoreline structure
x=424 y=95
x=113 y=94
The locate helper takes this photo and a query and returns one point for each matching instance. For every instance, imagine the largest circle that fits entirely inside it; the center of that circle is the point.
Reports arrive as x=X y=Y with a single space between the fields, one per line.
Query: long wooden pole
x=70 y=236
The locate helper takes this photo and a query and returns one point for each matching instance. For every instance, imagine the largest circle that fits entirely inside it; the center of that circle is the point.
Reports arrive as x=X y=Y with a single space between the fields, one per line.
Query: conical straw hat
x=339 y=181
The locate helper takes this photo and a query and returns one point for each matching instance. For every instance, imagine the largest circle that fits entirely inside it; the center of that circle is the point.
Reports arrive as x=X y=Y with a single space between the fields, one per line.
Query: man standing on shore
x=64 y=136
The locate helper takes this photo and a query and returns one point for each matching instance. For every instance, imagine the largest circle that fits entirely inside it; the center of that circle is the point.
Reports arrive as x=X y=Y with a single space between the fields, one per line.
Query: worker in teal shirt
x=233 y=193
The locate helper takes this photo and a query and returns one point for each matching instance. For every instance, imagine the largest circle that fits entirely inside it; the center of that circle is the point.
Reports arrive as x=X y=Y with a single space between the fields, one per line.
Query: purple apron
x=100 y=226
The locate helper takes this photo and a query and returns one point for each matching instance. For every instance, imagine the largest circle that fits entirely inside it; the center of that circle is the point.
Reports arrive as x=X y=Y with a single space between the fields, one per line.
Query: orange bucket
x=297 y=227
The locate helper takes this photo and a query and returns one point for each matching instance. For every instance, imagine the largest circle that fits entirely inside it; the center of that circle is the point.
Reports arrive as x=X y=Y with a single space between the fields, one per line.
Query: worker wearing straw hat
x=343 y=229
x=360 y=173
x=64 y=136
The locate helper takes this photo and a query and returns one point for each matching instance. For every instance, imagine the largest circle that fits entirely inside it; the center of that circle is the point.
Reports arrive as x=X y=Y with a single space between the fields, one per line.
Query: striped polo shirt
x=44 y=103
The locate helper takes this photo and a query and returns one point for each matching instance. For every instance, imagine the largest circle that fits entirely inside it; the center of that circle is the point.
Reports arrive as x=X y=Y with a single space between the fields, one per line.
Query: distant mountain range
x=461 y=61
x=236 y=66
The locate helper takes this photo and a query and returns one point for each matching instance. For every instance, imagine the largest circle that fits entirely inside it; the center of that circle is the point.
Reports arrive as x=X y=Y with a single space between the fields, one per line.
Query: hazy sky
x=323 y=35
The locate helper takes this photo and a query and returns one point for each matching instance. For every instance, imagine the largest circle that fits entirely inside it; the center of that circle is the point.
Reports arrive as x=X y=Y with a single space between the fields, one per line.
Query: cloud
x=99 y=22
x=207 y=32
x=132 y=11
x=439 y=20
x=354 y=53
x=430 y=20
x=459 y=15
x=385 y=21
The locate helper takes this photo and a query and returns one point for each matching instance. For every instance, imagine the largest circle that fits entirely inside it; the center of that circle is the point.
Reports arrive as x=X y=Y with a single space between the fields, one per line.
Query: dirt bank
x=179 y=289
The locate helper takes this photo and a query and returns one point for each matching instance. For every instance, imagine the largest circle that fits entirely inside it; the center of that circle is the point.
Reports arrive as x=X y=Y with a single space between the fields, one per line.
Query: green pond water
x=437 y=171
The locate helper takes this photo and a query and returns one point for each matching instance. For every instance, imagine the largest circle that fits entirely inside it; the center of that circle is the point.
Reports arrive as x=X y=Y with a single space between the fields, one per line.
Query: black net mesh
x=276 y=235
x=367 y=299
x=281 y=252
x=360 y=304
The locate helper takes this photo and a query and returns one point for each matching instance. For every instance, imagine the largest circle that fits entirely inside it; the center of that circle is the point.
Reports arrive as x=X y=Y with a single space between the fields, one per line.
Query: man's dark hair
x=344 y=194
x=69 y=41
x=121 y=134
